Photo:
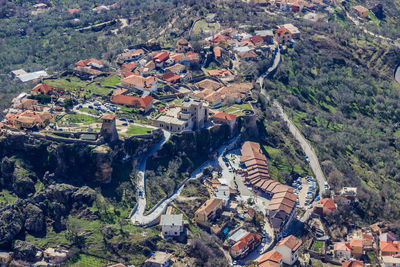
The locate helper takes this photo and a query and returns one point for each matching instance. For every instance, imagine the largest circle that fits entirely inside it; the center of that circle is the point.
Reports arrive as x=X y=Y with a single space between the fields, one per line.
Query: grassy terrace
x=203 y=26
x=80 y=118
x=134 y=129
x=236 y=109
x=73 y=84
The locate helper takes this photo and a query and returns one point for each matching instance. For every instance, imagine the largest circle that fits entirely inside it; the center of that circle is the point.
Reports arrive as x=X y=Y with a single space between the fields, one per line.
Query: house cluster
x=48 y=257
x=374 y=241
x=26 y=113
x=284 y=252
x=282 y=207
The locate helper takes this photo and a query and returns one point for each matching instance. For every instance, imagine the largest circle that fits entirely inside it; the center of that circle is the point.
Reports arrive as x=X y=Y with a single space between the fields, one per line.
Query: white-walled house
x=172 y=225
x=289 y=247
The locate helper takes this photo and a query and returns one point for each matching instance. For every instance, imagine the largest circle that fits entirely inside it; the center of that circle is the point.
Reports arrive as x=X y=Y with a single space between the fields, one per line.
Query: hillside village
x=260 y=221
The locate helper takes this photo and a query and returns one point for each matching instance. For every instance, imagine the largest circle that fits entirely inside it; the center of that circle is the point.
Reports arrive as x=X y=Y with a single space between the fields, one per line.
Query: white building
x=172 y=225
x=289 y=247
x=390 y=261
x=222 y=192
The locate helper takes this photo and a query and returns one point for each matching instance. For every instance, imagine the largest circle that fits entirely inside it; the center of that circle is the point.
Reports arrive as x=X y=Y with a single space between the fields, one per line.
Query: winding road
x=137 y=215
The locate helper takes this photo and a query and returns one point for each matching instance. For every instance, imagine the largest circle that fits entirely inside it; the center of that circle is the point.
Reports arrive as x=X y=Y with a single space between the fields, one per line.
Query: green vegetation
x=345 y=102
x=202 y=26
x=77 y=86
x=80 y=118
x=82 y=260
x=134 y=130
x=318 y=246
x=236 y=109
x=110 y=81
x=6 y=197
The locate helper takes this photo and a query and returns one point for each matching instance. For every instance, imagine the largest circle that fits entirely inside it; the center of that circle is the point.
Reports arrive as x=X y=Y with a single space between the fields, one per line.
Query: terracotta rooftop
x=108 y=116
x=328 y=203
x=245 y=241
x=209 y=84
x=353 y=263
x=209 y=206
x=141 y=102
x=342 y=246
x=272 y=256
x=140 y=81
x=389 y=246
x=291 y=242
x=225 y=116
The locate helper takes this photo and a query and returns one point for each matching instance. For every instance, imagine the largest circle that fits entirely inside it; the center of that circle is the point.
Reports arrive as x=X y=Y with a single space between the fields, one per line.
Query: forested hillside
x=338 y=85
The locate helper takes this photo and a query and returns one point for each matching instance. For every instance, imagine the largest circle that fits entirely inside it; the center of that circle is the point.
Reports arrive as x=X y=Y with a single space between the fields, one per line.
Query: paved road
x=397 y=74
x=309 y=151
x=138 y=217
x=277 y=60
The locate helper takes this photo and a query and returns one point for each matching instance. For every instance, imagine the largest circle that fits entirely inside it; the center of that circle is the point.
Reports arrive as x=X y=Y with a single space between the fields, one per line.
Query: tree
x=73 y=234
x=68 y=103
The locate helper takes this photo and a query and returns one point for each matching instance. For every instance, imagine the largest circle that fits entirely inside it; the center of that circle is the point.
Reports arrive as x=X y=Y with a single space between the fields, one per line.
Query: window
x=176 y=233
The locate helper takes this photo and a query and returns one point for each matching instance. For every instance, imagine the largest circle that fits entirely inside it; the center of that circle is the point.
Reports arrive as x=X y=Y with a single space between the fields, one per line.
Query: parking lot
x=305 y=188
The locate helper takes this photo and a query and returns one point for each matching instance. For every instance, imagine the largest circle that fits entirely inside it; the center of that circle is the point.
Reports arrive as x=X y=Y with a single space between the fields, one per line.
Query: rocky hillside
x=43 y=183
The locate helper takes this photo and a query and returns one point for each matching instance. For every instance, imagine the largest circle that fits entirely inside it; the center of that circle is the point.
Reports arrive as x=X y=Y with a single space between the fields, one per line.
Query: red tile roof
x=245 y=241
x=281 y=31
x=135 y=101
x=224 y=116
x=163 y=56
x=328 y=203
x=389 y=246
x=291 y=242
x=217 y=52
x=272 y=255
x=171 y=77
x=352 y=263
x=108 y=116
x=73 y=10
x=342 y=246
x=129 y=66
x=43 y=88
x=356 y=243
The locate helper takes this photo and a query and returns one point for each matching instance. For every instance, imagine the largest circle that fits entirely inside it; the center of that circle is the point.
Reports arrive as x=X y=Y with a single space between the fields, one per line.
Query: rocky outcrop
x=24 y=251
x=10 y=226
x=378 y=11
x=34 y=219
x=84 y=195
x=103 y=159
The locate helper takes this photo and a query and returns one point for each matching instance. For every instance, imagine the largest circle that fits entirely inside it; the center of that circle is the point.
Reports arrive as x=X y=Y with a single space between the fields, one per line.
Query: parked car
x=122 y=119
x=91 y=107
x=124 y=124
x=131 y=121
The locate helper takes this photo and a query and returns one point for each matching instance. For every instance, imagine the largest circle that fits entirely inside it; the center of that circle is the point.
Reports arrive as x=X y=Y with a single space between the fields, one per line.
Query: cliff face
x=25 y=159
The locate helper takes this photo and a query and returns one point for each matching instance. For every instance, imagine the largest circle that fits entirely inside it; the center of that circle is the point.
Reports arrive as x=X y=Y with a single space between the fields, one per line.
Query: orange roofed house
x=208 y=211
x=342 y=250
x=131 y=55
x=90 y=66
x=140 y=83
x=325 y=206
x=225 y=118
x=283 y=35
x=245 y=244
x=353 y=263
x=145 y=102
x=361 y=11
x=41 y=88
x=357 y=248
x=389 y=248
x=28 y=119
x=270 y=259
x=288 y=247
